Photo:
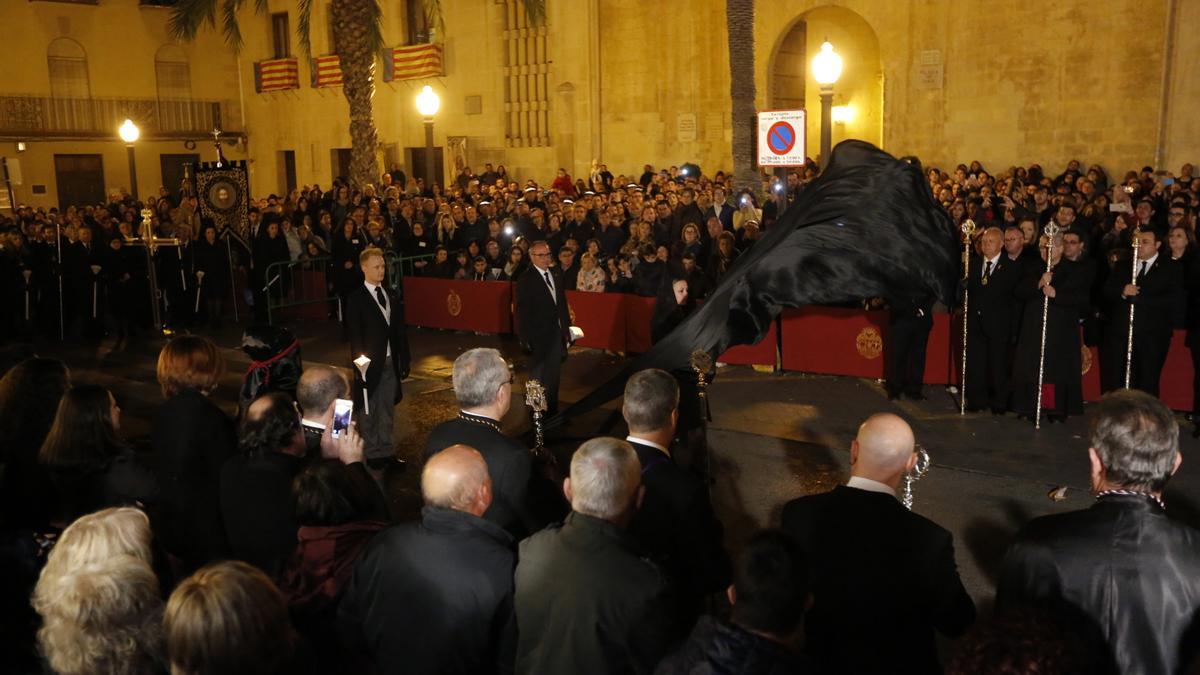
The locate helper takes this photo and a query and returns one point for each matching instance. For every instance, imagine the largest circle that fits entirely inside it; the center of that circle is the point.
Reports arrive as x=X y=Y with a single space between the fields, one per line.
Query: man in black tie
x=991 y=281
x=543 y=321
x=1159 y=279
x=883 y=578
x=375 y=324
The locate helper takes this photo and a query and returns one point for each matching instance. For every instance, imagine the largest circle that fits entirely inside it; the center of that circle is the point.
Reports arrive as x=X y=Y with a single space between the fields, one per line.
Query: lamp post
x=827 y=68
x=129 y=133
x=428 y=104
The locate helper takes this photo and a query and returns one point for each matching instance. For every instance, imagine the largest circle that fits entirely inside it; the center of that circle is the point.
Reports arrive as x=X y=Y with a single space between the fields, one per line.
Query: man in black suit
x=675 y=525
x=991 y=280
x=883 y=578
x=1159 y=279
x=909 y=323
x=375 y=324
x=436 y=596
x=483 y=386
x=1122 y=563
x=543 y=320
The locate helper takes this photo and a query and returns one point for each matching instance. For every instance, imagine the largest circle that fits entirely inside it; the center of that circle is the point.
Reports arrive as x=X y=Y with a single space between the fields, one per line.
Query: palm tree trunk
x=739 y=16
x=351 y=19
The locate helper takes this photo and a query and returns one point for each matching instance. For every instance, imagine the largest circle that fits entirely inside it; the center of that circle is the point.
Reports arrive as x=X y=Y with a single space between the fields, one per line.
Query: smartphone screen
x=342 y=409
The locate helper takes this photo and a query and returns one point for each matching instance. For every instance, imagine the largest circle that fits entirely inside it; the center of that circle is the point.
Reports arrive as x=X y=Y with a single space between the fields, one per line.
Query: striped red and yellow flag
x=414 y=63
x=276 y=75
x=327 y=71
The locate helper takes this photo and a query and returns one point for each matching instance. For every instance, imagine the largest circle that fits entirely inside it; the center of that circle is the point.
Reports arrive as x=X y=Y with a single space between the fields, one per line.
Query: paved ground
x=774 y=437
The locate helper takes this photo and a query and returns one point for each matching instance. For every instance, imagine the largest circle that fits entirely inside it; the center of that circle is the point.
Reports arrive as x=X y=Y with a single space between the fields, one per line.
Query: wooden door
x=80 y=180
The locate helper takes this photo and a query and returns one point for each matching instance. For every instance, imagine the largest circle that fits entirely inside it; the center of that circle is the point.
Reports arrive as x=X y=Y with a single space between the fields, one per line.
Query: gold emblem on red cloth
x=869 y=343
x=453 y=304
x=571 y=311
x=1086 y=359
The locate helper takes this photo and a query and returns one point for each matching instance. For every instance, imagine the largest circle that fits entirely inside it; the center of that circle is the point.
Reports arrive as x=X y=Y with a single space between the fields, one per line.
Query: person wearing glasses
x=543 y=320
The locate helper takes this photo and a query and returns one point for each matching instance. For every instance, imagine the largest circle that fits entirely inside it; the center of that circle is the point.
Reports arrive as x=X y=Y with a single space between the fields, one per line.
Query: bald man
x=883 y=578
x=436 y=596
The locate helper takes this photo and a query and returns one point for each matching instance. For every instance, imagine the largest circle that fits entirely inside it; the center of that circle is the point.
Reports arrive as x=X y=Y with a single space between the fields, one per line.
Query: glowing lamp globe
x=827 y=65
x=129 y=131
x=428 y=101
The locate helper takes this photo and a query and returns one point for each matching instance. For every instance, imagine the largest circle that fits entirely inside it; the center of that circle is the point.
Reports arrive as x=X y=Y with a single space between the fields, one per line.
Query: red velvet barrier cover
x=480 y=306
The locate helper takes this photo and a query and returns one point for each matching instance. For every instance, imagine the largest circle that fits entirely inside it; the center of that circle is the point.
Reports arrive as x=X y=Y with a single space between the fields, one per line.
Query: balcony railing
x=47 y=117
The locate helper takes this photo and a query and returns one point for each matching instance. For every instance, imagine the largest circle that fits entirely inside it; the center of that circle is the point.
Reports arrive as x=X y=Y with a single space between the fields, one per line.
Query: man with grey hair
x=585 y=600
x=676 y=525
x=1122 y=562
x=884 y=579
x=435 y=596
x=483 y=386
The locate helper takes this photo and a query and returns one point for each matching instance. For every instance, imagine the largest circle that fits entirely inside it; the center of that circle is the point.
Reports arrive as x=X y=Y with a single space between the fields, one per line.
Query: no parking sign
x=781 y=138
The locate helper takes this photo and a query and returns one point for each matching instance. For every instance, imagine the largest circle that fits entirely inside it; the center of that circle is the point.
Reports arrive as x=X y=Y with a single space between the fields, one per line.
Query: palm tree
x=739 y=20
x=357 y=39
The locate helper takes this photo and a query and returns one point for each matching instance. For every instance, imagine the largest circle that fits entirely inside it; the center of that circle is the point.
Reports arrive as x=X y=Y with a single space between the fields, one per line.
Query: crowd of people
x=266 y=545
x=1064 y=262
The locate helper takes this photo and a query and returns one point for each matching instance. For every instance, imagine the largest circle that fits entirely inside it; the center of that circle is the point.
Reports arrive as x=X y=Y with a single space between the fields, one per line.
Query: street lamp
x=827 y=67
x=428 y=104
x=130 y=133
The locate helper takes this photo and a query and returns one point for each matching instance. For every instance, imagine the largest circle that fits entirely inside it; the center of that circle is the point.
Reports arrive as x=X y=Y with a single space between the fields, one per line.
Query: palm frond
x=187 y=16
x=229 y=23
x=375 y=42
x=304 y=26
x=535 y=11
x=433 y=16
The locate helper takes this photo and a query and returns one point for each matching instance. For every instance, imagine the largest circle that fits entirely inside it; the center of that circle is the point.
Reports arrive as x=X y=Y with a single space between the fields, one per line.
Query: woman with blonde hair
x=192 y=438
x=98 y=597
x=229 y=619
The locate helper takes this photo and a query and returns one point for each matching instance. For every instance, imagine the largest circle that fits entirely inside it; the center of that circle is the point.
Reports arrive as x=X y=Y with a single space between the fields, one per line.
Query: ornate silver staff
x=968 y=229
x=28 y=290
x=535 y=398
x=1129 y=341
x=1051 y=231
x=702 y=363
x=918 y=472
x=62 y=325
x=95 y=288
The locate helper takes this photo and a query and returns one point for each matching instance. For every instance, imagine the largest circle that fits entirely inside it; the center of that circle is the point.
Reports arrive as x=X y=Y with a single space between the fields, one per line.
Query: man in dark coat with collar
x=675 y=525
x=991 y=279
x=1159 y=279
x=483 y=386
x=1122 y=563
x=883 y=578
x=586 y=602
x=543 y=320
x=375 y=325
x=436 y=597
x=256 y=485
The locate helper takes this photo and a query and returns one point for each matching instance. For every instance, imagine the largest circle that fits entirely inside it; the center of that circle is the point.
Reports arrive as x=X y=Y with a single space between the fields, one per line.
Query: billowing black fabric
x=867 y=227
x=1127 y=566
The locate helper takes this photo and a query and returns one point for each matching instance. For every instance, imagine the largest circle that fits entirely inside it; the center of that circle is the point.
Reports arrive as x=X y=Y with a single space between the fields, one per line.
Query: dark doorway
x=80 y=180
x=417 y=165
x=339 y=161
x=172 y=172
x=287 y=169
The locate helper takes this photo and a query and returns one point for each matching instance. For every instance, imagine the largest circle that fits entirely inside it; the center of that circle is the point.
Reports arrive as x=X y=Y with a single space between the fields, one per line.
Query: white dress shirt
x=870 y=485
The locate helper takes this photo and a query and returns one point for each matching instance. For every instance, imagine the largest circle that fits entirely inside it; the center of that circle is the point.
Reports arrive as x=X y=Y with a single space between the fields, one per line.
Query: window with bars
x=172 y=73
x=416 y=20
x=67 y=63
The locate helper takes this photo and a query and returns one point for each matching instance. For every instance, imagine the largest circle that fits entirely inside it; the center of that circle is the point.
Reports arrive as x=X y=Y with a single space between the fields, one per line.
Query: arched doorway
x=789 y=78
